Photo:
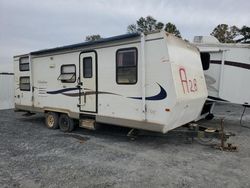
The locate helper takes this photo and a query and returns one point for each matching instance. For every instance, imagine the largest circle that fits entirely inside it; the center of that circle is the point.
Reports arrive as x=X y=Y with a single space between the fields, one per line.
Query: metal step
x=27 y=114
x=87 y=124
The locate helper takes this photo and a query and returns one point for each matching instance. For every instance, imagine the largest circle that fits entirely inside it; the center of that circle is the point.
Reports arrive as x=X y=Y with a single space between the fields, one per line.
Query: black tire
x=51 y=120
x=205 y=141
x=209 y=117
x=66 y=124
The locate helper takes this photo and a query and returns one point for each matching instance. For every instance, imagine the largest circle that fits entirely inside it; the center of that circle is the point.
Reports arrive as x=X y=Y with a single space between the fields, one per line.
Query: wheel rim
x=51 y=121
x=64 y=123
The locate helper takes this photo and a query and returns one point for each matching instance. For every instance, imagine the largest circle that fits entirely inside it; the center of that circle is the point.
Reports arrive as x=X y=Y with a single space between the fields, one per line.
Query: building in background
x=6 y=90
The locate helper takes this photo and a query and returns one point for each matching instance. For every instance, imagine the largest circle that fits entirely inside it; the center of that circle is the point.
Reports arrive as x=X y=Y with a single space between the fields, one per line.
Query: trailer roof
x=85 y=44
x=235 y=45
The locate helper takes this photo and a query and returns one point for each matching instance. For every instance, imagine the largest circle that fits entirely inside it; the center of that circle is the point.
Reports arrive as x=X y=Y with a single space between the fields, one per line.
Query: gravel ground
x=33 y=156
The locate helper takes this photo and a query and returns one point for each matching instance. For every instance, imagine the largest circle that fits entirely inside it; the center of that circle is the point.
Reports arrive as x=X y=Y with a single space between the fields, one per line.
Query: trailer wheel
x=51 y=120
x=66 y=124
x=209 y=117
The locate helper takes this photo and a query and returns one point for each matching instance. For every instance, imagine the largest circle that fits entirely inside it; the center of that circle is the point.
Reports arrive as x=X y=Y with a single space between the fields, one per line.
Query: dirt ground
x=33 y=156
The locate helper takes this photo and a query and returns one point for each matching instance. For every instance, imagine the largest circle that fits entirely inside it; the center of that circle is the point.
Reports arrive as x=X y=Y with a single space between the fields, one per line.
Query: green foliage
x=225 y=34
x=150 y=24
x=147 y=24
x=92 y=37
x=159 y=26
x=132 y=28
x=171 y=28
x=245 y=34
x=231 y=34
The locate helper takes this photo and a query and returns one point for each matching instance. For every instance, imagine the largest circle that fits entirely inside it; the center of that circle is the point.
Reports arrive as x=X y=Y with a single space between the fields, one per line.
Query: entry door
x=23 y=81
x=88 y=82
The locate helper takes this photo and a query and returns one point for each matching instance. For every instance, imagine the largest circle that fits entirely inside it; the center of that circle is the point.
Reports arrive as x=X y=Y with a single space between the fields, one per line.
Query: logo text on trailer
x=188 y=85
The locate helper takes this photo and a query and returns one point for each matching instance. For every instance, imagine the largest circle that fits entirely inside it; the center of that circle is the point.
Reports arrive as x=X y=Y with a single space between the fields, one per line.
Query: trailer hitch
x=193 y=131
x=206 y=135
x=224 y=136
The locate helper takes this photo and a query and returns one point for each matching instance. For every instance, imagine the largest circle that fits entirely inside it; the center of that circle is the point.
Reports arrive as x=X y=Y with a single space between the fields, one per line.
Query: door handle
x=79 y=85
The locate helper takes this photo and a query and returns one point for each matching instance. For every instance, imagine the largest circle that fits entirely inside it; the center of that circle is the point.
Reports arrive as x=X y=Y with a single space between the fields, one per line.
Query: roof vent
x=206 y=39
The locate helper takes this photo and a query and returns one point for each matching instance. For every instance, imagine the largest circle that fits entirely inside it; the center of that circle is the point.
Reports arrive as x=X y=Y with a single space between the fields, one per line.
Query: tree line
x=223 y=32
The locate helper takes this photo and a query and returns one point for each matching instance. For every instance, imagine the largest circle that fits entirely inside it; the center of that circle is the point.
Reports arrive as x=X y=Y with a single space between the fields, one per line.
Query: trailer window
x=87 y=67
x=68 y=74
x=24 y=64
x=126 y=66
x=24 y=83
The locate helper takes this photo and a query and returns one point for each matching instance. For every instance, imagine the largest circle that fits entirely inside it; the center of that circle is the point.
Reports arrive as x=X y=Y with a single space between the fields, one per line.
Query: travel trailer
x=7 y=90
x=228 y=73
x=151 y=81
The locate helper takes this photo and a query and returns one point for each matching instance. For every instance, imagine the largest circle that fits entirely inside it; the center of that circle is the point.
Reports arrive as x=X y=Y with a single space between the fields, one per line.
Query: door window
x=24 y=83
x=87 y=67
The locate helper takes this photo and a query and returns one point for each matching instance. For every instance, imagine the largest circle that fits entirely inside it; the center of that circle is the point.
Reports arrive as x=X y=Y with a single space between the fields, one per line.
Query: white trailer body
x=153 y=82
x=228 y=74
x=6 y=91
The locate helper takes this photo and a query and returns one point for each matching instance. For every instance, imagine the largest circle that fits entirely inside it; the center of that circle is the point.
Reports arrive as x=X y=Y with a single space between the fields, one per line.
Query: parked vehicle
x=228 y=72
x=151 y=81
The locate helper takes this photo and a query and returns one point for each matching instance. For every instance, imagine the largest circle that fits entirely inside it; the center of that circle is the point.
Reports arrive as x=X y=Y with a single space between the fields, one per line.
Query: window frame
x=24 y=64
x=117 y=67
x=83 y=67
x=67 y=81
x=21 y=77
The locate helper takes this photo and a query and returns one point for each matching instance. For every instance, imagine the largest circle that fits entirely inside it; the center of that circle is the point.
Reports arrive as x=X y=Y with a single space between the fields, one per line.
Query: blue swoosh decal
x=161 y=95
x=62 y=90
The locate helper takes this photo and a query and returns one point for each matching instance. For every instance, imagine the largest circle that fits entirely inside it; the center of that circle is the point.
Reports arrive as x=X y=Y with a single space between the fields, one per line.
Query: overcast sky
x=28 y=25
